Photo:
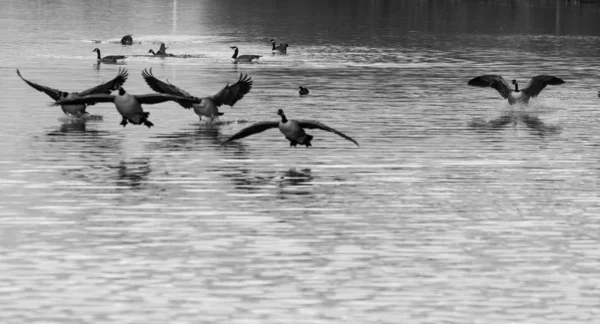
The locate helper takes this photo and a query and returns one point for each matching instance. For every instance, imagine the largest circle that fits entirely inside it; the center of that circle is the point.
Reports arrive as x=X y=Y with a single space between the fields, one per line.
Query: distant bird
x=127 y=40
x=243 y=58
x=162 y=51
x=129 y=106
x=79 y=109
x=293 y=130
x=303 y=91
x=109 y=58
x=207 y=106
x=533 y=89
x=281 y=48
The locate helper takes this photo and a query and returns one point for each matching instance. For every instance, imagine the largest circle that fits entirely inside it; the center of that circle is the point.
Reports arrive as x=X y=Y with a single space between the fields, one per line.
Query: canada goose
x=129 y=106
x=161 y=55
x=127 y=40
x=79 y=109
x=533 y=89
x=207 y=106
x=303 y=91
x=243 y=58
x=109 y=58
x=281 y=49
x=293 y=130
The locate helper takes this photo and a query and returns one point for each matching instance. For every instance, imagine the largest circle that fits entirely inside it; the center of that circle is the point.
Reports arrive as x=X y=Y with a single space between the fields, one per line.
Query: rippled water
x=456 y=208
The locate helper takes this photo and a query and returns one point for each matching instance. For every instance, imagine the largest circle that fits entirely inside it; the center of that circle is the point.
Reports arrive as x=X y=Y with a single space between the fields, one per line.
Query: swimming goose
x=127 y=40
x=243 y=58
x=109 y=58
x=129 y=106
x=281 y=49
x=79 y=109
x=303 y=91
x=162 y=51
x=293 y=130
x=533 y=89
x=207 y=106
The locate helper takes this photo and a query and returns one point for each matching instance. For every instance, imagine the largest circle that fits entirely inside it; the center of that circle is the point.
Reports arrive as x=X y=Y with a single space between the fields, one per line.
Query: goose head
x=514 y=82
x=234 y=47
x=151 y=51
x=96 y=50
x=121 y=91
x=272 y=41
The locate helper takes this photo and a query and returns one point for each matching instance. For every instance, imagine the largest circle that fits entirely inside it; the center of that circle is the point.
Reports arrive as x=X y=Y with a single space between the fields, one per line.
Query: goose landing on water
x=129 y=106
x=109 y=58
x=243 y=58
x=207 y=106
x=79 y=109
x=533 y=89
x=280 y=49
x=293 y=130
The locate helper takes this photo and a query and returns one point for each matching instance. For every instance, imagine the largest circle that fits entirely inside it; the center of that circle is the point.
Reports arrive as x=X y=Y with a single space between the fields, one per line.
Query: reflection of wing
x=52 y=93
x=167 y=88
x=155 y=98
x=231 y=94
x=313 y=124
x=89 y=99
x=252 y=129
x=493 y=81
x=109 y=86
x=538 y=83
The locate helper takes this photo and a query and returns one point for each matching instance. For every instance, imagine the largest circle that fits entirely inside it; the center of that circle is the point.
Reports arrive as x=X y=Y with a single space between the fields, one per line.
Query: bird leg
x=123 y=121
x=292 y=142
x=148 y=123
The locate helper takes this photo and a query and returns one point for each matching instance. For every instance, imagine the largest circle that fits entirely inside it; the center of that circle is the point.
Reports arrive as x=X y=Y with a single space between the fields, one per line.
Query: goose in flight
x=207 y=106
x=243 y=58
x=533 y=89
x=129 y=106
x=280 y=49
x=108 y=58
x=79 y=109
x=293 y=130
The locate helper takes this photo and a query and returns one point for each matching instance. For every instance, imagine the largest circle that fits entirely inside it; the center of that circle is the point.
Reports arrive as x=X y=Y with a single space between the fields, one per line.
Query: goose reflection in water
x=254 y=181
x=533 y=123
x=186 y=139
x=133 y=174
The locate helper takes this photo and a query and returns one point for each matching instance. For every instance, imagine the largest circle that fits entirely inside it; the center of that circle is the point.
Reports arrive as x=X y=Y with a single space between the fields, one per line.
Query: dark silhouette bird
x=243 y=58
x=303 y=91
x=127 y=40
x=109 y=58
x=79 y=109
x=533 y=89
x=129 y=106
x=279 y=49
x=293 y=130
x=208 y=106
x=162 y=51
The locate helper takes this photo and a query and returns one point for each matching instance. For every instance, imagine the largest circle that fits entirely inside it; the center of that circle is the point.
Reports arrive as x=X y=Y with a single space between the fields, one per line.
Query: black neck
x=516 y=87
x=273 y=45
x=283 y=119
x=98 y=52
x=152 y=51
x=235 y=53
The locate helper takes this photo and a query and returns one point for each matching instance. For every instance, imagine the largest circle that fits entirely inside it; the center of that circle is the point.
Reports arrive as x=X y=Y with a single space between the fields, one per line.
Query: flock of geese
x=130 y=108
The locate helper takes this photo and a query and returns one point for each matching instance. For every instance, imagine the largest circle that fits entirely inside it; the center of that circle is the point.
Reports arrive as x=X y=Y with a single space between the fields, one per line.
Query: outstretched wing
x=313 y=124
x=166 y=88
x=538 y=83
x=252 y=129
x=231 y=94
x=109 y=86
x=493 y=81
x=52 y=93
x=155 y=98
x=89 y=99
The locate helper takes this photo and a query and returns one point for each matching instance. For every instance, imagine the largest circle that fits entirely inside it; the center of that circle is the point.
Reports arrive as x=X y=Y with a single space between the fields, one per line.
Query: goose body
x=127 y=40
x=207 y=106
x=533 y=89
x=279 y=49
x=293 y=130
x=109 y=58
x=128 y=105
x=303 y=91
x=79 y=109
x=243 y=58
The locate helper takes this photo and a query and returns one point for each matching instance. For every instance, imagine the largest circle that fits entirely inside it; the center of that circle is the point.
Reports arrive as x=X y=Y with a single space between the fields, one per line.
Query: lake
x=456 y=208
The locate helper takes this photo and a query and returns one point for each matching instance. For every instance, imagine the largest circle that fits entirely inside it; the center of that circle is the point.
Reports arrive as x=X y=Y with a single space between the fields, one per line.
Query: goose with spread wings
x=293 y=130
x=533 y=89
x=128 y=105
x=207 y=106
x=79 y=109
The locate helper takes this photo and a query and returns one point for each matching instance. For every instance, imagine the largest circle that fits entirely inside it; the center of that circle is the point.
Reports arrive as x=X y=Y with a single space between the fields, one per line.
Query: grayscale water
x=443 y=214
